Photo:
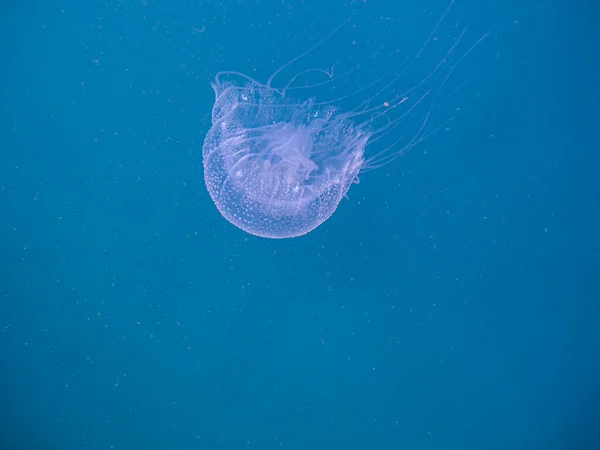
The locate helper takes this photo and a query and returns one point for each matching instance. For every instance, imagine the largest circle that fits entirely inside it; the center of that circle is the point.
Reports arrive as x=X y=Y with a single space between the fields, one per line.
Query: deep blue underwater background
x=451 y=302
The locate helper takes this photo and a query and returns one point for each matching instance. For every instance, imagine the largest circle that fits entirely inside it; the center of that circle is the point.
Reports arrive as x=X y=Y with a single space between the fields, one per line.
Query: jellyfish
x=277 y=165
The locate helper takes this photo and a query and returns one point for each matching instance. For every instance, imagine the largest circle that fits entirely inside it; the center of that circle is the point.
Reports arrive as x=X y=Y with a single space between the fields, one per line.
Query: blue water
x=451 y=302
